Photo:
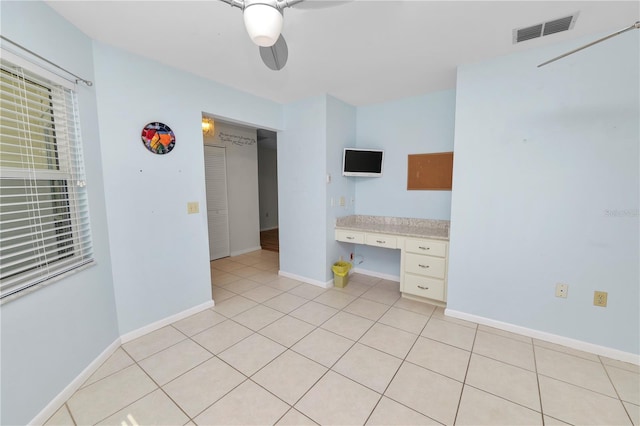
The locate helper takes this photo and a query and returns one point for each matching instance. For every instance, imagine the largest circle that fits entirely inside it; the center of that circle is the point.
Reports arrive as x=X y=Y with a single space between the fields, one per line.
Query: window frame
x=68 y=174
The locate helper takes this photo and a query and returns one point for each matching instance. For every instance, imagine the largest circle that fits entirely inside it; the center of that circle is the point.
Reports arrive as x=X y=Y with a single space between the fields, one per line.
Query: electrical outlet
x=562 y=290
x=600 y=298
x=193 y=207
x=341 y=201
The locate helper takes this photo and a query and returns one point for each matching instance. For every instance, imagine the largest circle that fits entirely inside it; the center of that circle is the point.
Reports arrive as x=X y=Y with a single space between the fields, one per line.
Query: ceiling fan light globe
x=263 y=23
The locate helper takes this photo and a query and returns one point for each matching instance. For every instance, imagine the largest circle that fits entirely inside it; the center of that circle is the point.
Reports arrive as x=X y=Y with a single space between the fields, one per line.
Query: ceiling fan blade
x=275 y=57
x=624 y=30
x=319 y=4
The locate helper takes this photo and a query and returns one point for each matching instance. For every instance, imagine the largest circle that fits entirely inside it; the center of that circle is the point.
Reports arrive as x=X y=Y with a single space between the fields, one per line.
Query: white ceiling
x=359 y=51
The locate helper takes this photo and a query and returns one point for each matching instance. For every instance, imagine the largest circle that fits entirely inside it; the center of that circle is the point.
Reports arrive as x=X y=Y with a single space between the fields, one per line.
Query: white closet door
x=215 y=165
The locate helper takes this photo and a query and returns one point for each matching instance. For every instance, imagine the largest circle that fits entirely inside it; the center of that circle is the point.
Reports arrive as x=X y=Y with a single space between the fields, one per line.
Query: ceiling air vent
x=528 y=33
x=546 y=28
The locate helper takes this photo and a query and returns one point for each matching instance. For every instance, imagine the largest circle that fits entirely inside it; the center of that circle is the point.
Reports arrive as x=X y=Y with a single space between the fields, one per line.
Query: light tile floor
x=274 y=350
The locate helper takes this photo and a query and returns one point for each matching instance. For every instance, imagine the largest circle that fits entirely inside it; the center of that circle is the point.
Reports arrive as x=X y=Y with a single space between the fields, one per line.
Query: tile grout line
x=83 y=386
x=403 y=361
x=135 y=400
x=535 y=365
x=582 y=387
x=135 y=362
x=377 y=321
x=464 y=379
x=221 y=397
x=330 y=368
x=508 y=362
x=615 y=389
x=223 y=361
x=160 y=387
x=291 y=406
x=182 y=374
x=357 y=341
x=68 y=411
x=213 y=356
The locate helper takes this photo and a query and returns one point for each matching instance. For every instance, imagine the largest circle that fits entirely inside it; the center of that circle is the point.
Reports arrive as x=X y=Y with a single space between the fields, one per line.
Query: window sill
x=48 y=282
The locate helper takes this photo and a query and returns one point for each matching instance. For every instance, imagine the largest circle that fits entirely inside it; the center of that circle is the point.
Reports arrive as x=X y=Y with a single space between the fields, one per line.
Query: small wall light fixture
x=208 y=126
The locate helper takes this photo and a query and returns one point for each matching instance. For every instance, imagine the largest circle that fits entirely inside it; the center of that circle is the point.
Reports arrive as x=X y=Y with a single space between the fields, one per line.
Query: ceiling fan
x=263 y=20
x=636 y=26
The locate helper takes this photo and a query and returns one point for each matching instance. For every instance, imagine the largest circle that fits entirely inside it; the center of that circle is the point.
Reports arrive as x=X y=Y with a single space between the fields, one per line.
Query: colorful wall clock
x=158 y=138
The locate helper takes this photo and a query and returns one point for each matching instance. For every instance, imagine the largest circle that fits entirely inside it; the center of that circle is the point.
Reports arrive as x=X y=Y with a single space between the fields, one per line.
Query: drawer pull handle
x=423 y=288
x=424 y=248
x=380 y=241
x=351 y=238
x=423 y=266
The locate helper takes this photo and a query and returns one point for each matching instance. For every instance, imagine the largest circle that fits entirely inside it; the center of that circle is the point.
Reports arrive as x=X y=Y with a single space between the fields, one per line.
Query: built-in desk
x=423 y=244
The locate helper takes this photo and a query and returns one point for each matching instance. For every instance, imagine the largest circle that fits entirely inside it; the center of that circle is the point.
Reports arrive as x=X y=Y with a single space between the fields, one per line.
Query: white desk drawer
x=381 y=240
x=423 y=286
x=428 y=247
x=350 y=236
x=425 y=265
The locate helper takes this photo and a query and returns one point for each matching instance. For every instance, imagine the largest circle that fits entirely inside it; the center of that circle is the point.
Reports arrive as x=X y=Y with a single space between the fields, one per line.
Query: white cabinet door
x=215 y=165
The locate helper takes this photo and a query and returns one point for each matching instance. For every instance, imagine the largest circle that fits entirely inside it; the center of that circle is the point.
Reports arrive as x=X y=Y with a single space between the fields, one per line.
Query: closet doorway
x=215 y=165
x=268 y=189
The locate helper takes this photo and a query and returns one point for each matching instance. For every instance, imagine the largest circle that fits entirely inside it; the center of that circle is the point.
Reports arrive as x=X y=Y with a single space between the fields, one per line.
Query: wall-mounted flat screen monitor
x=362 y=162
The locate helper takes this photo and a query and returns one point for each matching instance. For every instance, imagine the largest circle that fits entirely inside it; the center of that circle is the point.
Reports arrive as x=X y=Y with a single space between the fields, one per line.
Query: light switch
x=193 y=207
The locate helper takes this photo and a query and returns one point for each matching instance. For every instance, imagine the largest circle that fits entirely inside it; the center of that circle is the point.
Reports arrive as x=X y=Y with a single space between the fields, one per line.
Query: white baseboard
x=549 y=337
x=75 y=384
x=377 y=274
x=269 y=229
x=245 y=251
x=165 y=321
x=57 y=402
x=322 y=284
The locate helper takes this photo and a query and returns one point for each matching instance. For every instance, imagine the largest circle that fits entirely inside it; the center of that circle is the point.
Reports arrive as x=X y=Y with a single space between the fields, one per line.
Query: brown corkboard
x=430 y=171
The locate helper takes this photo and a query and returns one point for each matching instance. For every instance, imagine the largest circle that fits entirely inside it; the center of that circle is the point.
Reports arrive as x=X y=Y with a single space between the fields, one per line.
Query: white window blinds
x=44 y=217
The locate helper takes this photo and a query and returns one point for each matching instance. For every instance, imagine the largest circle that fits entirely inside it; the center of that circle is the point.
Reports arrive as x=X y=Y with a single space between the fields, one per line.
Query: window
x=44 y=217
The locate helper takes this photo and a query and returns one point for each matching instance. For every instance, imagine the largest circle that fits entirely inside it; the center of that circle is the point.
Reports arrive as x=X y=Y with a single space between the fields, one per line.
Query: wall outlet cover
x=600 y=298
x=193 y=207
x=562 y=290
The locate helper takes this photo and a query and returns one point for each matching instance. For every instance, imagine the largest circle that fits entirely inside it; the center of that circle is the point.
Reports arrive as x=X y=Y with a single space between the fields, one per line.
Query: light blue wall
x=575 y=178
x=309 y=150
x=341 y=133
x=159 y=253
x=302 y=159
x=159 y=264
x=546 y=190
x=51 y=335
x=417 y=125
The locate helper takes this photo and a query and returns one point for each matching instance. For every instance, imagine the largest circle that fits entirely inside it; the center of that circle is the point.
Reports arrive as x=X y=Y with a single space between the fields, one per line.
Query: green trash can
x=341 y=273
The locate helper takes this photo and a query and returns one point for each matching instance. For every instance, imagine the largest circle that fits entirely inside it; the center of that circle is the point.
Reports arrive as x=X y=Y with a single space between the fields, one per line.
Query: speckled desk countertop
x=404 y=226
